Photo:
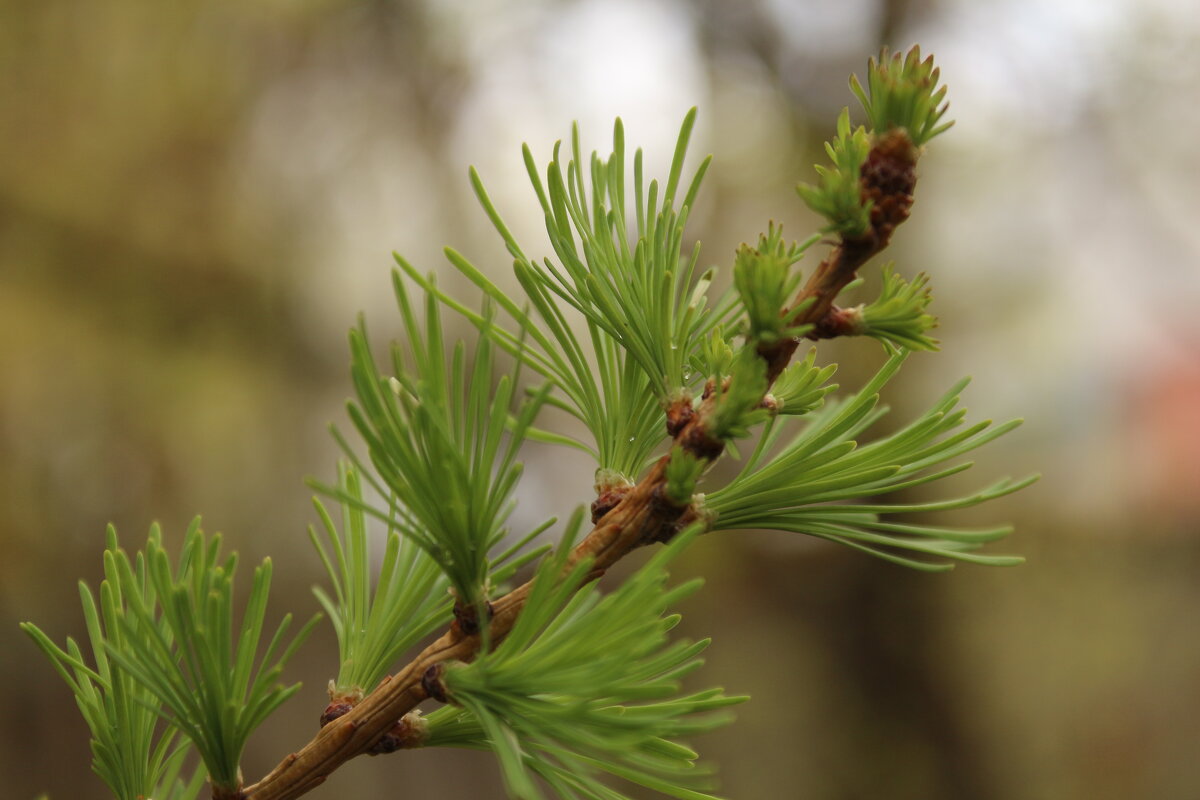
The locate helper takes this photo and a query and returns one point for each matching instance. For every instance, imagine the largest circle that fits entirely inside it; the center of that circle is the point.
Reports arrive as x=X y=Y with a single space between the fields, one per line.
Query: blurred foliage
x=196 y=196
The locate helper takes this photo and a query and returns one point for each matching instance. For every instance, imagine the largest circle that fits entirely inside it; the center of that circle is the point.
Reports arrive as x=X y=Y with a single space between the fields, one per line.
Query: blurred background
x=197 y=197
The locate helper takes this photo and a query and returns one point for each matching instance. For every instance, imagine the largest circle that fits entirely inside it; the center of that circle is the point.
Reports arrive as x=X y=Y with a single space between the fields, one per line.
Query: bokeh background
x=197 y=197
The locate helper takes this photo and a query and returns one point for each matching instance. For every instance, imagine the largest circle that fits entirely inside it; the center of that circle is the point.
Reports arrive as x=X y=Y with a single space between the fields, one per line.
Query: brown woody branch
x=625 y=519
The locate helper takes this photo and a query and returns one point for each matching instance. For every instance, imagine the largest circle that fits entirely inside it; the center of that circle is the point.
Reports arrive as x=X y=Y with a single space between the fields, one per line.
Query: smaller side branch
x=888 y=180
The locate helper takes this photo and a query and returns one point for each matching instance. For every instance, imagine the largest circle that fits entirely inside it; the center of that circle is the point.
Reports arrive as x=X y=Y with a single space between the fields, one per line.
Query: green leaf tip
x=181 y=645
x=443 y=434
x=765 y=282
x=738 y=405
x=619 y=260
x=801 y=387
x=902 y=92
x=813 y=484
x=682 y=472
x=375 y=624
x=586 y=686
x=899 y=314
x=838 y=195
x=170 y=661
x=132 y=752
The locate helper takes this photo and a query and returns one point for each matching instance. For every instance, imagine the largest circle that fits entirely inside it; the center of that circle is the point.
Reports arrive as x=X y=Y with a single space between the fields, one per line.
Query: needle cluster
x=576 y=686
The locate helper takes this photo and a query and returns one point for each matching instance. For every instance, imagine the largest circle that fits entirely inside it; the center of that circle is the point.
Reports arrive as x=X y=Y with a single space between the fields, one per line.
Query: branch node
x=668 y=515
x=432 y=682
x=611 y=488
x=607 y=501
x=335 y=710
x=679 y=414
x=695 y=440
x=838 y=322
x=410 y=731
x=466 y=617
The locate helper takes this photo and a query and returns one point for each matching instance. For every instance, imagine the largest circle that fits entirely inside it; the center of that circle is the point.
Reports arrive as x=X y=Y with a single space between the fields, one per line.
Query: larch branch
x=640 y=514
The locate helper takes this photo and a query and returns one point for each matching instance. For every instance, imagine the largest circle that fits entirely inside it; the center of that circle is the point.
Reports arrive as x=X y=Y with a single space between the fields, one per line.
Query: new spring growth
x=765 y=282
x=683 y=471
x=899 y=314
x=838 y=194
x=902 y=92
x=904 y=103
x=801 y=387
x=716 y=354
x=897 y=318
x=738 y=404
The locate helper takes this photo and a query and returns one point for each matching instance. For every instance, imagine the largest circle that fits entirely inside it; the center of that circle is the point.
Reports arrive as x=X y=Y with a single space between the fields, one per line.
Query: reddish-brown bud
x=432 y=682
x=679 y=414
x=466 y=617
x=410 y=731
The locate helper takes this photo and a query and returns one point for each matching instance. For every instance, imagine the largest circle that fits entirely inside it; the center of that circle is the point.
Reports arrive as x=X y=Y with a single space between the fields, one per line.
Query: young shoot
x=815 y=483
x=206 y=674
x=899 y=314
x=443 y=438
x=838 y=195
x=380 y=612
x=586 y=685
x=765 y=284
x=902 y=93
x=643 y=302
x=801 y=387
x=134 y=751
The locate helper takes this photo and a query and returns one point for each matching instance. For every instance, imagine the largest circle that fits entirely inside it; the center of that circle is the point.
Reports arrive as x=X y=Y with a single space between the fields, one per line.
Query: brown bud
x=466 y=617
x=432 y=683
x=679 y=414
x=333 y=711
x=410 y=731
